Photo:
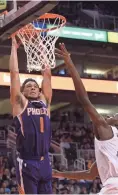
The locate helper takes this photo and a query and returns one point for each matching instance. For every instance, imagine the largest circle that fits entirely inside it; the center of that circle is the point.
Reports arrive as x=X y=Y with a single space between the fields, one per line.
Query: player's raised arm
x=47 y=87
x=16 y=96
x=82 y=96
x=90 y=174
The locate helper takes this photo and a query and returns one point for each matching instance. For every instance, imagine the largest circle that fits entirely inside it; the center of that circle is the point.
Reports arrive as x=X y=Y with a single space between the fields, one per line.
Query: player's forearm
x=14 y=73
x=13 y=63
x=79 y=87
x=74 y=175
x=46 y=85
x=46 y=73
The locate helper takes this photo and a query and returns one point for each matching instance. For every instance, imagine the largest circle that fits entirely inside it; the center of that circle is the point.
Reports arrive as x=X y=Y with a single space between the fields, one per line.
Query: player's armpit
x=20 y=100
x=87 y=175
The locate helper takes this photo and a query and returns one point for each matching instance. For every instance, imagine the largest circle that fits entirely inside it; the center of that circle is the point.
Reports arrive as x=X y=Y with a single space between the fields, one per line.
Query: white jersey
x=107 y=157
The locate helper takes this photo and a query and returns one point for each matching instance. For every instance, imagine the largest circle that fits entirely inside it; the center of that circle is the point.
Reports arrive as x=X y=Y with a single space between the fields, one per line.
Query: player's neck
x=33 y=99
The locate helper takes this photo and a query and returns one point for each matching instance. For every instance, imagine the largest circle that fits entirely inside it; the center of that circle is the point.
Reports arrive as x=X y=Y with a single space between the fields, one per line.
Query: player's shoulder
x=114 y=137
x=115 y=130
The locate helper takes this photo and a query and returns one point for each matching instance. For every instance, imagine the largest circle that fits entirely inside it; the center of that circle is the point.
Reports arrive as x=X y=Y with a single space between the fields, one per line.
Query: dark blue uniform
x=33 y=167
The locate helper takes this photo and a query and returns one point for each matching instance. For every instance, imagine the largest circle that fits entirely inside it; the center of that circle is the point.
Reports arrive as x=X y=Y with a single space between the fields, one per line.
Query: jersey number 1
x=41 y=124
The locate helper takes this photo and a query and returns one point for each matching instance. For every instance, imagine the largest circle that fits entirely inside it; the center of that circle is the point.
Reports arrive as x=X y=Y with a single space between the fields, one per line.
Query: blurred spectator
x=105 y=12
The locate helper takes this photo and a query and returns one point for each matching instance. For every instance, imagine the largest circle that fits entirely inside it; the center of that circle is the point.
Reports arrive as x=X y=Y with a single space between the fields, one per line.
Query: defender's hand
x=56 y=174
x=15 y=43
x=63 y=54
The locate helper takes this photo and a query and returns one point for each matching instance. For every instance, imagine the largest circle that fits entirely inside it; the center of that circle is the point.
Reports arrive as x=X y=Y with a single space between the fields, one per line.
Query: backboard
x=16 y=19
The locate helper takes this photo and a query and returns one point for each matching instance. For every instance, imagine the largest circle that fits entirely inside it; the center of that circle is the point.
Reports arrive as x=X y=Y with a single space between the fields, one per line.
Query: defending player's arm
x=47 y=87
x=16 y=96
x=90 y=174
x=103 y=133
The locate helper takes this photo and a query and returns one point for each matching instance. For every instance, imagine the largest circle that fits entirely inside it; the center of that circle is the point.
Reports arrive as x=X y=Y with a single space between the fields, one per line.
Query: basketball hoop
x=39 y=38
x=2 y=17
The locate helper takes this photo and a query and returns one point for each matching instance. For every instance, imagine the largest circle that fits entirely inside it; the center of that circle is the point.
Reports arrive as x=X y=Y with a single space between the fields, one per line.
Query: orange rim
x=45 y=16
x=52 y=16
x=4 y=13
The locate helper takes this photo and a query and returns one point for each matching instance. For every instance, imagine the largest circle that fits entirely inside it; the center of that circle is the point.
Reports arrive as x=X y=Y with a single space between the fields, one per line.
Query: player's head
x=113 y=120
x=31 y=89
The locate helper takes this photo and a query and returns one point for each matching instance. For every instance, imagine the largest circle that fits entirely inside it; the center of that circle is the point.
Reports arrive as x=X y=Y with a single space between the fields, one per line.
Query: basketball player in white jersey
x=106 y=136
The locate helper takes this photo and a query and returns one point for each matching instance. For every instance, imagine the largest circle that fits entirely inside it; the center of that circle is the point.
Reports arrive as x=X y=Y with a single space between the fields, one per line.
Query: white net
x=39 y=38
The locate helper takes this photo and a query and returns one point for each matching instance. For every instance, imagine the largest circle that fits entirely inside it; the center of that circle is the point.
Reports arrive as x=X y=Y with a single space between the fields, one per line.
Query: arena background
x=91 y=36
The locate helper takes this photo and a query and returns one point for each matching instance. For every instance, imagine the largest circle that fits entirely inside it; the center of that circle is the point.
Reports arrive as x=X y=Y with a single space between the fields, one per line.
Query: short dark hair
x=28 y=80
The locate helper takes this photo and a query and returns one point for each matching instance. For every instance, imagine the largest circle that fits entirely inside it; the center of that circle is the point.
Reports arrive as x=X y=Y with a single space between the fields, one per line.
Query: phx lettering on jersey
x=37 y=111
